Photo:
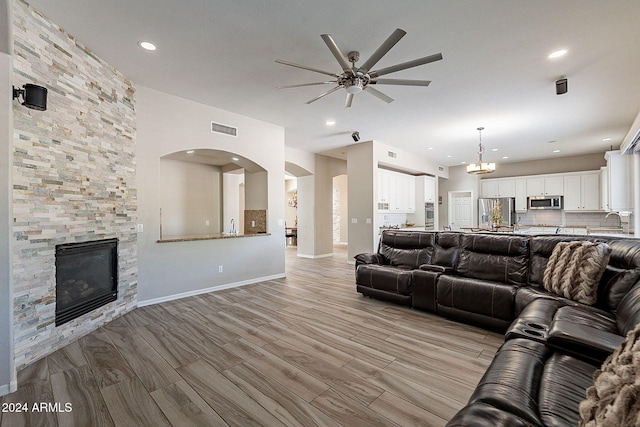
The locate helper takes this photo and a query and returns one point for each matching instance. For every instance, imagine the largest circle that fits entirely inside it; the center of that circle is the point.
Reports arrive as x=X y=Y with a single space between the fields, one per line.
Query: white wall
x=167 y=124
x=7 y=368
x=586 y=162
x=362 y=186
x=232 y=202
x=407 y=161
x=459 y=180
x=191 y=196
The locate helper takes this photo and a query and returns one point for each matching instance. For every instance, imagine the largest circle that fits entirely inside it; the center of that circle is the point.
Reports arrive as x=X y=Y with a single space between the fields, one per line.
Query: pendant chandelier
x=481 y=167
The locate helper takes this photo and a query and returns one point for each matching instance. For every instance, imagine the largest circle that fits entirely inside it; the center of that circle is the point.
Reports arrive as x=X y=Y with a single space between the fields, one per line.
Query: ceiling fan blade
x=405 y=65
x=400 y=82
x=306 y=84
x=333 y=47
x=324 y=94
x=349 y=100
x=304 y=67
x=383 y=49
x=378 y=94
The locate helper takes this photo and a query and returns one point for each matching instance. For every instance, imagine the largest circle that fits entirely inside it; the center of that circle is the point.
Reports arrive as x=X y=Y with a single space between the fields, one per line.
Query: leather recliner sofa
x=553 y=344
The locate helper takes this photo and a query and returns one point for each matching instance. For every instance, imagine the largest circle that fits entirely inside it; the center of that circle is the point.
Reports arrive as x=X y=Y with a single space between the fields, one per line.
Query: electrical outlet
x=253 y=223
x=219 y=269
x=140 y=228
x=206 y=223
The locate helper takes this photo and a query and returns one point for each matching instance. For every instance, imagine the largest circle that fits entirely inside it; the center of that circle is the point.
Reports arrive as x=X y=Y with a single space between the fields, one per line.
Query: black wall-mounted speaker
x=356 y=136
x=561 y=86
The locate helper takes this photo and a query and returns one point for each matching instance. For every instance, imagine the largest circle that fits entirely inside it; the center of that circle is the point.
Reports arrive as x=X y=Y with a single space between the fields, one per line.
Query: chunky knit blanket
x=614 y=398
x=575 y=268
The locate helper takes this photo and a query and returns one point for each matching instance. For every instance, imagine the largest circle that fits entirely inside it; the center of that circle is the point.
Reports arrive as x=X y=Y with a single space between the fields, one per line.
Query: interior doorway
x=460 y=209
x=340 y=211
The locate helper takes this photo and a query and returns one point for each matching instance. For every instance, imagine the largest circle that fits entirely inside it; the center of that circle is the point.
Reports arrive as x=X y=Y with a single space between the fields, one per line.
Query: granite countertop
x=209 y=237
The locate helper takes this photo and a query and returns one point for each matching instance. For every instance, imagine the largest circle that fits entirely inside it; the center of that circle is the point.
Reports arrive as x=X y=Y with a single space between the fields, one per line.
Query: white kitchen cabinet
x=396 y=192
x=604 y=189
x=429 y=189
x=582 y=192
x=499 y=187
x=619 y=177
x=521 y=194
x=545 y=185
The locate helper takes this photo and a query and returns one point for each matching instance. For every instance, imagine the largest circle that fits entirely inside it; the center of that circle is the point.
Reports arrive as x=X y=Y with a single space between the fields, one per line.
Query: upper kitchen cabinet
x=619 y=176
x=430 y=189
x=545 y=186
x=499 y=187
x=604 y=189
x=396 y=192
x=521 y=194
x=582 y=192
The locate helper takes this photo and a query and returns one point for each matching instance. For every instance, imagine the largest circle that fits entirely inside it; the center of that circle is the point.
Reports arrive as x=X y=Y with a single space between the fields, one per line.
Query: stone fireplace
x=86 y=277
x=73 y=182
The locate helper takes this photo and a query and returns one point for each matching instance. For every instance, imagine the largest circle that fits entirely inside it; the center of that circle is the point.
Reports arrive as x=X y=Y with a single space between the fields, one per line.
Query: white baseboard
x=8 y=388
x=207 y=290
x=315 y=256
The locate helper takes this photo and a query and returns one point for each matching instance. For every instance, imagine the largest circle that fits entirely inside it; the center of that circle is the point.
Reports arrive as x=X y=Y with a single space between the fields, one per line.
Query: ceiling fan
x=357 y=79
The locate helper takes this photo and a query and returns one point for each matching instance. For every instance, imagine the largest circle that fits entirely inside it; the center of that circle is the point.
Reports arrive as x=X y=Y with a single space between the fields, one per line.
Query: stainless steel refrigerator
x=506 y=207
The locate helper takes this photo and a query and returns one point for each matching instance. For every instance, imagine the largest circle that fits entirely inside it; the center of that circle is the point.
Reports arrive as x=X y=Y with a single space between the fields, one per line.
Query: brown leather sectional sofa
x=552 y=344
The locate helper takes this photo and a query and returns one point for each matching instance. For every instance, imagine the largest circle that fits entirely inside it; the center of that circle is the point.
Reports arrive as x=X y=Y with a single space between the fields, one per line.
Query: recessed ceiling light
x=606 y=139
x=505 y=157
x=494 y=149
x=557 y=53
x=464 y=163
x=235 y=159
x=191 y=151
x=430 y=148
x=449 y=156
x=330 y=122
x=147 y=45
x=556 y=151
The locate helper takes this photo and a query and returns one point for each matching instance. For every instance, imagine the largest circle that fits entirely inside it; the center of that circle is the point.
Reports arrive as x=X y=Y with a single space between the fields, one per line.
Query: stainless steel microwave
x=545 y=202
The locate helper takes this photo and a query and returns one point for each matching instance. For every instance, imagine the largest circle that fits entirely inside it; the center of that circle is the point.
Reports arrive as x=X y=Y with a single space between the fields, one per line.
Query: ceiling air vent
x=392 y=154
x=224 y=129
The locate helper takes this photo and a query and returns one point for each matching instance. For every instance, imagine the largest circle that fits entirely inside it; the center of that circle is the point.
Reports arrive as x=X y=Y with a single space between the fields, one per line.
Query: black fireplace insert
x=86 y=277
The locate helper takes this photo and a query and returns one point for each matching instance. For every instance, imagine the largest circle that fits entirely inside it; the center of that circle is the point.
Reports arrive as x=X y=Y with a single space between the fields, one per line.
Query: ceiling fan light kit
x=358 y=79
x=481 y=167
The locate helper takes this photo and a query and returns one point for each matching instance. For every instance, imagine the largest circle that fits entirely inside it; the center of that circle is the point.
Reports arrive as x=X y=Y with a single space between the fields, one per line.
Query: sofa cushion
x=406 y=258
x=384 y=277
x=446 y=249
x=613 y=398
x=512 y=380
x=628 y=312
x=562 y=388
x=491 y=299
x=575 y=268
x=541 y=249
x=406 y=249
x=614 y=285
x=499 y=258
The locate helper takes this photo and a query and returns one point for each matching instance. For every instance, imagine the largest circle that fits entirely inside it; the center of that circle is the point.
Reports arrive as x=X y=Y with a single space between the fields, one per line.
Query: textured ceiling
x=495 y=72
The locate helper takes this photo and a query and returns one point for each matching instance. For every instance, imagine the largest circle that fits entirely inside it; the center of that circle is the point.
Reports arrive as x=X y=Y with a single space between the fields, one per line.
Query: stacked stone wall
x=73 y=178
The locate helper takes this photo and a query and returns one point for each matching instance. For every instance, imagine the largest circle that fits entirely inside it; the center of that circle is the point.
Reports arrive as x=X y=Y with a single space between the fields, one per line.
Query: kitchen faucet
x=615 y=213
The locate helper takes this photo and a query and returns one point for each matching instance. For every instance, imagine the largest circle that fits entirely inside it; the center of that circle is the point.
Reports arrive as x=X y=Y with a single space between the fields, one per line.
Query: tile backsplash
x=567 y=219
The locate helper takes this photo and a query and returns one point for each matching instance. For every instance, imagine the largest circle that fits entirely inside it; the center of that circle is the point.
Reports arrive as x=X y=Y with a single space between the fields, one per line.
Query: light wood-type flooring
x=302 y=351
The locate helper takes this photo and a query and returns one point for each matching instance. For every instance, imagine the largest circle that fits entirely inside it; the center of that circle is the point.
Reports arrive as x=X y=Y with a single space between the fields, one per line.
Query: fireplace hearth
x=86 y=277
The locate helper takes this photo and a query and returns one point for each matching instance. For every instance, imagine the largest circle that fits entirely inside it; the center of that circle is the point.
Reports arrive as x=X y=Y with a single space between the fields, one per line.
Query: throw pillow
x=575 y=268
x=612 y=400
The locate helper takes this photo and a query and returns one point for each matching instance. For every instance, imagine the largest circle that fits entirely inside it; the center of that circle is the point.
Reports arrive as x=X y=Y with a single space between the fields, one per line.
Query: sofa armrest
x=582 y=340
x=369 y=258
x=437 y=268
